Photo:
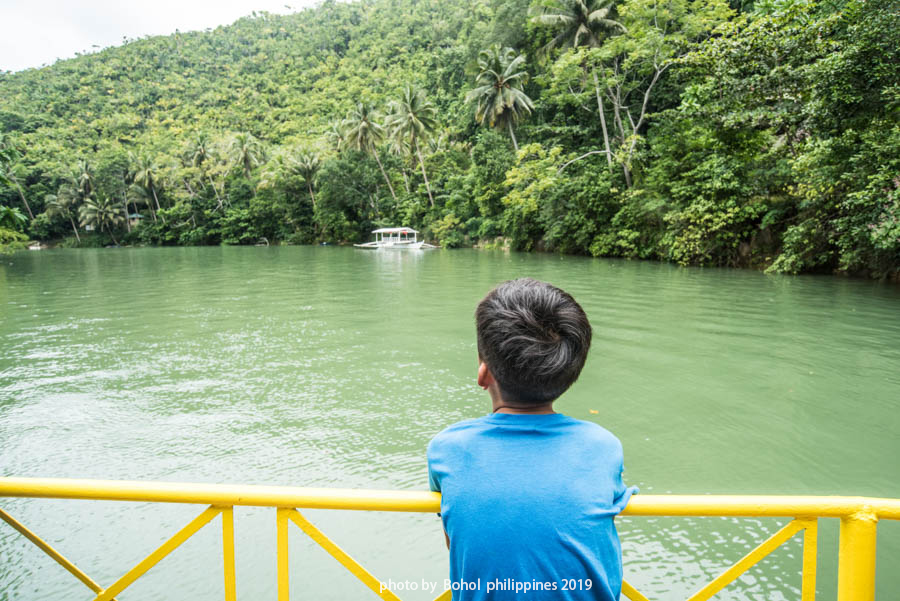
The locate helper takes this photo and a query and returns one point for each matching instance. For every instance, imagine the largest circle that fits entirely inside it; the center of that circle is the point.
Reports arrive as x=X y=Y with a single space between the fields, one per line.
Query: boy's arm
x=434 y=484
x=622 y=493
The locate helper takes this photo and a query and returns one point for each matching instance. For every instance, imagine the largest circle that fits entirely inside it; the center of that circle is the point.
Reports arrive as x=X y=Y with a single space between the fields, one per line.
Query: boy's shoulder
x=458 y=432
x=461 y=432
x=595 y=431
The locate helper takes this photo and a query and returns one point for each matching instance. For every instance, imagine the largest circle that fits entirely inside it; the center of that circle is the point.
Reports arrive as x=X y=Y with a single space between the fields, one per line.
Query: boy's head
x=534 y=339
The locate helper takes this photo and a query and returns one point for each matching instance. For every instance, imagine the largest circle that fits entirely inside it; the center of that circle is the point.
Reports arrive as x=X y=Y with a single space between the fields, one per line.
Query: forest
x=742 y=133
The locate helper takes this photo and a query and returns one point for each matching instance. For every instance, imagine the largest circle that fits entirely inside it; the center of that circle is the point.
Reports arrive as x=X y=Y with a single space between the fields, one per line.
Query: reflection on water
x=334 y=367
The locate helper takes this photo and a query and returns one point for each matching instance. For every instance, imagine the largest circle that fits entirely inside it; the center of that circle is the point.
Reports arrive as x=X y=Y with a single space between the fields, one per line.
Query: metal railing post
x=228 y=552
x=281 y=521
x=810 y=551
x=856 y=557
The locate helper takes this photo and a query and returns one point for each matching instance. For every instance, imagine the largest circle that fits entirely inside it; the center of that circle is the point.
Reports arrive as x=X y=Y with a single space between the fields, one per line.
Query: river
x=324 y=366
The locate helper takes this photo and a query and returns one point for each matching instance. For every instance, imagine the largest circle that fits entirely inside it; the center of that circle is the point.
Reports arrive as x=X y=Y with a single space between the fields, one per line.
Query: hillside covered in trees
x=763 y=134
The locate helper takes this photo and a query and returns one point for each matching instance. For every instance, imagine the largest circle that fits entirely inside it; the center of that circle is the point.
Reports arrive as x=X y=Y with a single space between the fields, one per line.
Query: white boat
x=400 y=238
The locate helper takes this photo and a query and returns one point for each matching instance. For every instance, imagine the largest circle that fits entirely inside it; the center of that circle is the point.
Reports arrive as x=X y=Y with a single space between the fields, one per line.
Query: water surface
x=317 y=366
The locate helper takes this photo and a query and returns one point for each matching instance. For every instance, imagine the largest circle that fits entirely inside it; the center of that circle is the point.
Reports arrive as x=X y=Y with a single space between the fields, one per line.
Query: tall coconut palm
x=144 y=174
x=199 y=154
x=8 y=157
x=138 y=195
x=64 y=203
x=335 y=134
x=399 y=149
x=198 y=150
x=77 y=187
x=84 y=179
x=498 y=96
x=274 y=172
x=246 y=151
x=309 y=165
x=363 y=132
x=413 y=118
x=102 y=214
x=582 y=23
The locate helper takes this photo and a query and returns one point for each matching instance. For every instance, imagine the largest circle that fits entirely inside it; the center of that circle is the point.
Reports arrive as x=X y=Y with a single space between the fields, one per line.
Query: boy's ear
x=485 y=377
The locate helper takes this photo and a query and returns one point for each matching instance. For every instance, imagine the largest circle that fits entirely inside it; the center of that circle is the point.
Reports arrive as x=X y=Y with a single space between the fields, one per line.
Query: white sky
x=37 y=32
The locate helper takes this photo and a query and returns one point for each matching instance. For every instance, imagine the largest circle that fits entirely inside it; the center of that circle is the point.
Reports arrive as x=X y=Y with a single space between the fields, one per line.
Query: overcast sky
x=37 y=32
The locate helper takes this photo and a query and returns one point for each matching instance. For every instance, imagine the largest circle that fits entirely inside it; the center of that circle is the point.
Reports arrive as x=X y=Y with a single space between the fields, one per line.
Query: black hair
x=534 y=338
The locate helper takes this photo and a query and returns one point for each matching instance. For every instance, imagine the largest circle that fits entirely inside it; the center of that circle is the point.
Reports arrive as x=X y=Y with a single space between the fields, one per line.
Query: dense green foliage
x=694 y=131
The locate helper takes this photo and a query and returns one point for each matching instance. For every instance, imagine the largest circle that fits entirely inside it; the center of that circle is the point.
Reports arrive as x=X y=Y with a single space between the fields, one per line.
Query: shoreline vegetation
x=762 y=134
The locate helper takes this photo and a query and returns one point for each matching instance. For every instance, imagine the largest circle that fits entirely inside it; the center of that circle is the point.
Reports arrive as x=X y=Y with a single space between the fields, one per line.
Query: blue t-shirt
x=528 y=501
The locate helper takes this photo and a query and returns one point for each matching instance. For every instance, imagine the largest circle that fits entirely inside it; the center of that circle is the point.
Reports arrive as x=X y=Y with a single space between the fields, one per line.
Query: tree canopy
x=758 y=134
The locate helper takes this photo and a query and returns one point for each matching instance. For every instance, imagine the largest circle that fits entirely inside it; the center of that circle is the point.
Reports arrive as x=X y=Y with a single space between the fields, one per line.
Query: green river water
x=312 y=366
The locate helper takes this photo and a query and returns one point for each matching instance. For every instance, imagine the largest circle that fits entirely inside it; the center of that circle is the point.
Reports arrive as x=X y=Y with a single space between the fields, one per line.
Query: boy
x=528 y=494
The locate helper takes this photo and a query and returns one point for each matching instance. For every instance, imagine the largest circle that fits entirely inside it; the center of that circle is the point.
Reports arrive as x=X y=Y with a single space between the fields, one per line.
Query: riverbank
x=96 y=240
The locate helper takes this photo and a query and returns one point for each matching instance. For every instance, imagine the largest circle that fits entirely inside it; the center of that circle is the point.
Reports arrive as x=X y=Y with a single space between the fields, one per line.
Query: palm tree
x=199 y=153
x=412 y=118
x=12 y=218
x=398 y=148
x=498 y=96
x=102 y=214
x=84 y=179
x=77 y=188
x=145 y=175
x=138 y=195
x=198 y=150
x=64 y=203
x=274 y=172
x=8 y=156
x=246 y=151
x=335 y=133
x=363 y=132
x=582 y=23
x=309 y=164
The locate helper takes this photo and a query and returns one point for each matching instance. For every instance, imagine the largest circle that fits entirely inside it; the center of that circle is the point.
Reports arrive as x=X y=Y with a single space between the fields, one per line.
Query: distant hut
x=134 y=219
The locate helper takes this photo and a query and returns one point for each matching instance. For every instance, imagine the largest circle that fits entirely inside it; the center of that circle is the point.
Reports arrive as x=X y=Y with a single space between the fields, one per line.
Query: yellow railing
x=856 y=554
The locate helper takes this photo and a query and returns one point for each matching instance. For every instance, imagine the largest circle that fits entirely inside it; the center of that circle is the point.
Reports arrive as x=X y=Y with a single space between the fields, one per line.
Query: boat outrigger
x=396 y=237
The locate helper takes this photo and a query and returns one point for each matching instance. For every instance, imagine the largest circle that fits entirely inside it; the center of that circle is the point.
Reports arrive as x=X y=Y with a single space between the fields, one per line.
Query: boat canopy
x=395 y=230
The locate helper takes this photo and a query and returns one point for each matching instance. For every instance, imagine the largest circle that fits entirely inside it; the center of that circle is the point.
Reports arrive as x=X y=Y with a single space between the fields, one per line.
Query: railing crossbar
x=154 y=558
x=632 y=593
x=428 y=502
x=749 y=560
x=856 y=566
x=344 y=558
x=51 y=552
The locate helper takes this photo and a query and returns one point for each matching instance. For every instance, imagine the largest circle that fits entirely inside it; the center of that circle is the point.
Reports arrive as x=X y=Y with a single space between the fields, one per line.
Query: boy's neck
x=498 y=406
x=539 y=410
